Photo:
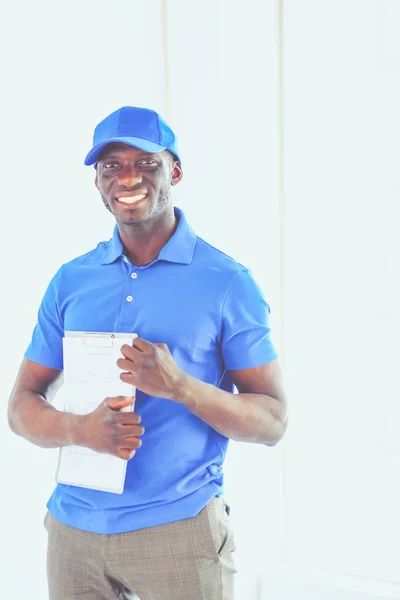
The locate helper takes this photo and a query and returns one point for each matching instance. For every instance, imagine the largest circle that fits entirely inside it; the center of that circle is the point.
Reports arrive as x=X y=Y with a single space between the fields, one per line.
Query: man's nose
x=129 y=177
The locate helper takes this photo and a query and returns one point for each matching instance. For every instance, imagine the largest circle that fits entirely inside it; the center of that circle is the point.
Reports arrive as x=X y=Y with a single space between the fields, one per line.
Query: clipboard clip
x=98 y=340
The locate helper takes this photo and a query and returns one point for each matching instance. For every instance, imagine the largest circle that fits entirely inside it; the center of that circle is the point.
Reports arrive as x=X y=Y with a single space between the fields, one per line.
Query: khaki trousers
x=184 y=560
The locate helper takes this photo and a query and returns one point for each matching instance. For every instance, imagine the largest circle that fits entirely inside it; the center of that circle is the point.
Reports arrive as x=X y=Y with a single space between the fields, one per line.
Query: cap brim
x=140 y=143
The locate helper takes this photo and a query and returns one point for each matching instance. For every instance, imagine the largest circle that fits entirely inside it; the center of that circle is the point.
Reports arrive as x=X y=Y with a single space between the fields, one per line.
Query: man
x=203 y=329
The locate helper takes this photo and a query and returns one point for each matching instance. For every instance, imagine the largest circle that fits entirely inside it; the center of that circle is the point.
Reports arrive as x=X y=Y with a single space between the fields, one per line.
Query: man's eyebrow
x=115 y=155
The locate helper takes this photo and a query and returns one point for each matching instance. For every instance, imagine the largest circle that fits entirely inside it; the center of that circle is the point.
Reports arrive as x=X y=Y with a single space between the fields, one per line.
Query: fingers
x=118 y=402
x=138 y=345
x=142 y=345
x=108 y=429
x=128 y=352
x=126 y=453
x=141 y=354
x=131 y=430
x=146 y=346
x=162 y=346
x=130 y=442
x=128 y=378
x=133 y=443
x=125 y=364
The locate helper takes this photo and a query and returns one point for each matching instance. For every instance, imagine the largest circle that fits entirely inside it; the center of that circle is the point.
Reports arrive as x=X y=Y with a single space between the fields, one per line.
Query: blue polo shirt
x=212 y=315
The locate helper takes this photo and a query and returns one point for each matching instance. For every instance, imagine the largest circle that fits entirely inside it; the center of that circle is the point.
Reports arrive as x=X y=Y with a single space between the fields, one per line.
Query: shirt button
x=134 y=275
x=129 y=298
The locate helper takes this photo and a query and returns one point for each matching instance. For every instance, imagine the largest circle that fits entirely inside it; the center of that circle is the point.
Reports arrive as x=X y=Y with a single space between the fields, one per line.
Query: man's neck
x=143 y=243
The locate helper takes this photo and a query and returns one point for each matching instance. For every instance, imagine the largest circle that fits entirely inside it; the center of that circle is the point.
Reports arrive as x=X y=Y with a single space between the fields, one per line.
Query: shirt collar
x=178 y=249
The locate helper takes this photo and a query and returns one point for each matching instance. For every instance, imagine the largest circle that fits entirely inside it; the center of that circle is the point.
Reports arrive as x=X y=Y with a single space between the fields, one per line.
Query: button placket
x=127 y=315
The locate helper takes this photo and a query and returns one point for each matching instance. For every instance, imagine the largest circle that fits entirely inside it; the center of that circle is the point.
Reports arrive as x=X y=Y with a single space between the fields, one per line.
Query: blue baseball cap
x=139 y=127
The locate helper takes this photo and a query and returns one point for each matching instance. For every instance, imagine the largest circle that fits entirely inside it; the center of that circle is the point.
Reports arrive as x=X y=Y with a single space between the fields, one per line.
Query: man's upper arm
x=266 y=379
x=40 y=373
x=33 y=377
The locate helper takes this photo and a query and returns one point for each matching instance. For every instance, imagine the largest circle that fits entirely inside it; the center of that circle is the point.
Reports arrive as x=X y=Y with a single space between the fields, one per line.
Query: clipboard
x=90 y=375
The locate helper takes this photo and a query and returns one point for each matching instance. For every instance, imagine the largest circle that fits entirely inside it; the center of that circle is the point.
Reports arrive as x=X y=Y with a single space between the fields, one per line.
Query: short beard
x=164 y=197
x=106 y=203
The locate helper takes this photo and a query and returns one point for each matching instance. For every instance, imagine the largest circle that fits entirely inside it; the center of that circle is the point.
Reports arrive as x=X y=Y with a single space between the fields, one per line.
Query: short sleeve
x=46 y=344
x=245 y=332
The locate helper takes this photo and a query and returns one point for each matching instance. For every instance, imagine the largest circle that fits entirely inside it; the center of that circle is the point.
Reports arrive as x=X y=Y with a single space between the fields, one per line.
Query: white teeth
x=131 y=199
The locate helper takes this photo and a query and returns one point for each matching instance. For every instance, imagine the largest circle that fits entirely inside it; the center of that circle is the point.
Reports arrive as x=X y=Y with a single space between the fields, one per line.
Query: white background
x=288 y=116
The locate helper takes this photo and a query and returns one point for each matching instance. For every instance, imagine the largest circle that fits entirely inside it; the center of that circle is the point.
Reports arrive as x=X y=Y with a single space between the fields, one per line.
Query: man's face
x=135 y=185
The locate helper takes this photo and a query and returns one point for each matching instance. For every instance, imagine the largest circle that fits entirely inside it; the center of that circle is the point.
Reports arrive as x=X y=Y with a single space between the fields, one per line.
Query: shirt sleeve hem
x=252 y=362
x=44 y=362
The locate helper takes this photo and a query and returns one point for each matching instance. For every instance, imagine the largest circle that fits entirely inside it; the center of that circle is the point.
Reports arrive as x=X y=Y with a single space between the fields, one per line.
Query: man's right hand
x=109 y=430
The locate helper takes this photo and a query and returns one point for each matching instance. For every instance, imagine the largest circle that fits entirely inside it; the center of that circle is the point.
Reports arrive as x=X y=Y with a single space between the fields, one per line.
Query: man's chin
x=128 y=214
x=134 y=219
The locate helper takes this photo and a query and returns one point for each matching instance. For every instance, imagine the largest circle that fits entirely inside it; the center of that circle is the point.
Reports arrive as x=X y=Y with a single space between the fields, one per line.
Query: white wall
x=287 y=114
x=341 y=288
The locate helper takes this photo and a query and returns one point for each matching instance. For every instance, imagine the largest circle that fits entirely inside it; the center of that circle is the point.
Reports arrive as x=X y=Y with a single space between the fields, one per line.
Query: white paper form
x=91 y=375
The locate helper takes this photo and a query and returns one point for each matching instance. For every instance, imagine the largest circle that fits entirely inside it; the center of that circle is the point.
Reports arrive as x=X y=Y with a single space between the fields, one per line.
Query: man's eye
x=110 y=165
x=148 y=161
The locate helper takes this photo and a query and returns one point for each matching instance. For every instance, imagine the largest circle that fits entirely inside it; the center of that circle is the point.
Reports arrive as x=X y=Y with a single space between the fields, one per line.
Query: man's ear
x=96 y=180
x=177 y=173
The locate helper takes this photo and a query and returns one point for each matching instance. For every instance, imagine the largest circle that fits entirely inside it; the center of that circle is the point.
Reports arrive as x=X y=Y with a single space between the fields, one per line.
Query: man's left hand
x=151 y=368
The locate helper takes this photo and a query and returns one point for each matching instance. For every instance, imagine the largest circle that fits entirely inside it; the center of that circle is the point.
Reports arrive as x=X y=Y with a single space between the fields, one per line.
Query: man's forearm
x=242 y=417
x=40 y=423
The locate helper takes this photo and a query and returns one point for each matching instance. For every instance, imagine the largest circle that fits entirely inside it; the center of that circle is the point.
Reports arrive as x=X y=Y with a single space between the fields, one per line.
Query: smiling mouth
x=131 y=200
